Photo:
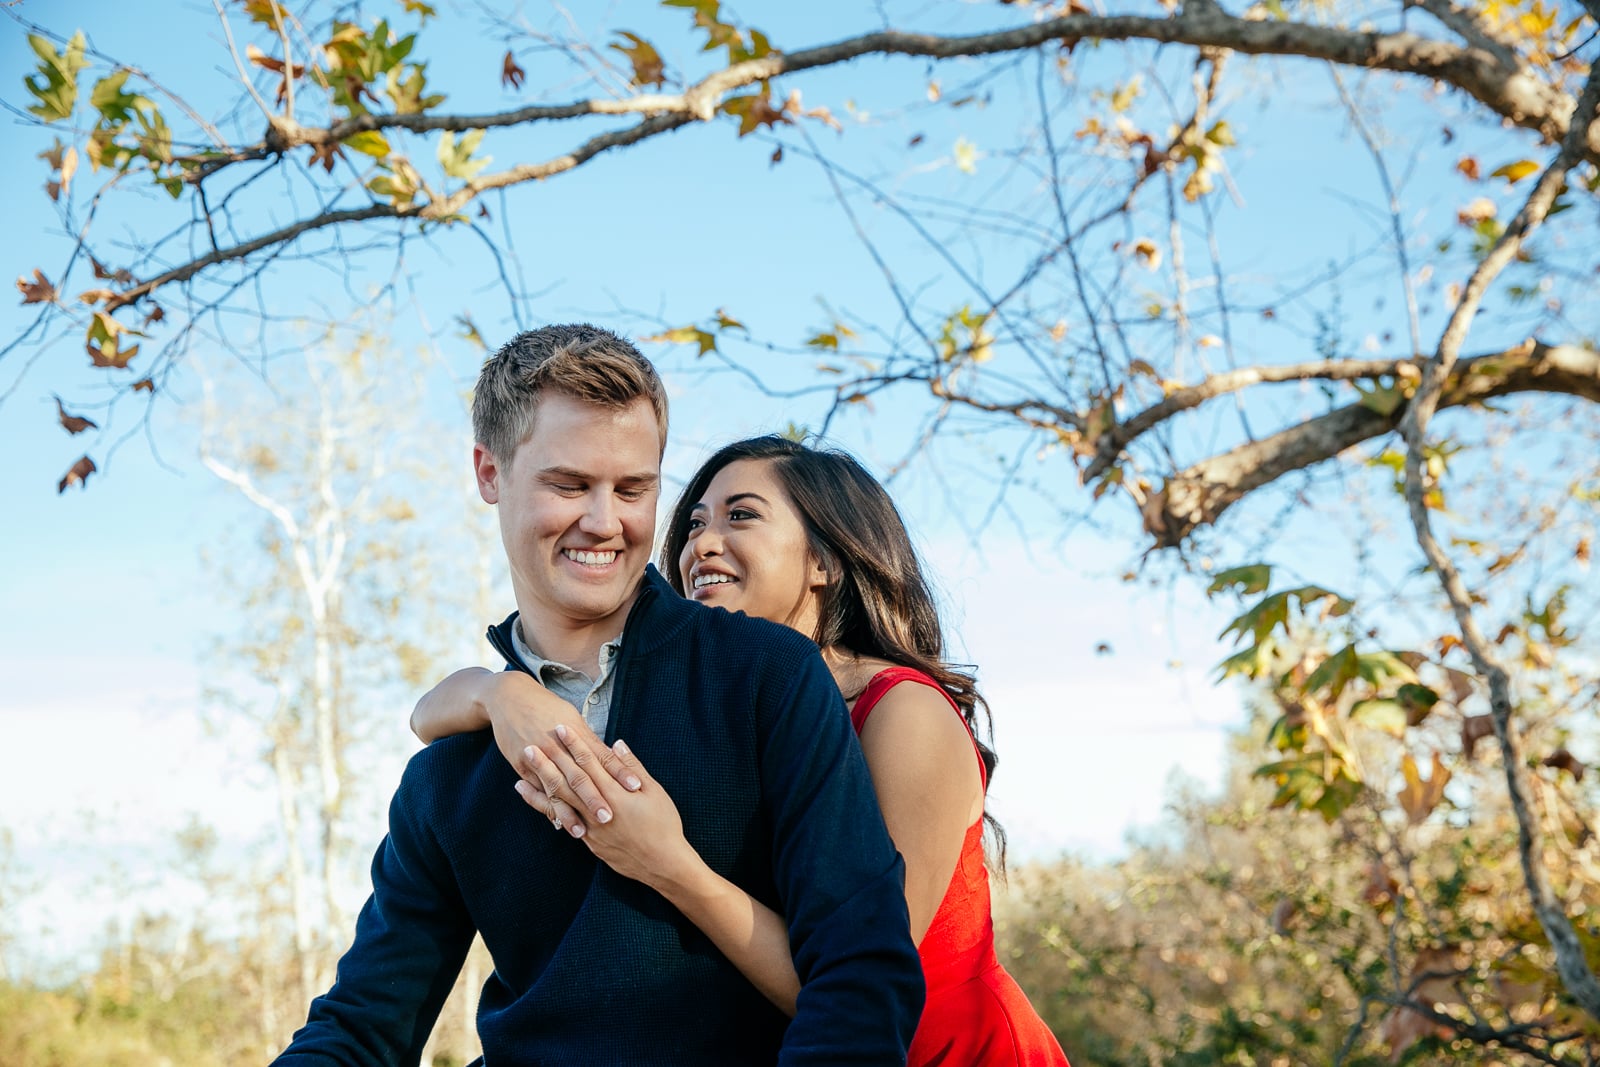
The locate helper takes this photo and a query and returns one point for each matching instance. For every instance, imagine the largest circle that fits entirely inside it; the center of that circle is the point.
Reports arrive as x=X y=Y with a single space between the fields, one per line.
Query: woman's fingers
x=549 y=783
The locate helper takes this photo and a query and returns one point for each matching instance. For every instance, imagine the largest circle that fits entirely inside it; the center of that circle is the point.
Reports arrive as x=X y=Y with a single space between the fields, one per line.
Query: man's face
x=577 y=510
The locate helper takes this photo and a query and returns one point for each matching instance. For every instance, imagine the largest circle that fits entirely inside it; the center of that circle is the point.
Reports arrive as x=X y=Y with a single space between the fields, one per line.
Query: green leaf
x=55 y=84
x=1252 y=662
x=368 y=143
x=1380 y=714
x=1335 y=673
x=1381 y=399
x=116 y=107
x=1251 y=578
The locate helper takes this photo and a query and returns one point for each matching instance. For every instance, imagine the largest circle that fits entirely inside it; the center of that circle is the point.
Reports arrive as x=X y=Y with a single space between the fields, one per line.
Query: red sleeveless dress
x=976 y=1015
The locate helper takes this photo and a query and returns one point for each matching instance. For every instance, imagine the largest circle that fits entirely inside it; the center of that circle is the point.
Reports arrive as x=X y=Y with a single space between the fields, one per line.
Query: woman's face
x=746 y=549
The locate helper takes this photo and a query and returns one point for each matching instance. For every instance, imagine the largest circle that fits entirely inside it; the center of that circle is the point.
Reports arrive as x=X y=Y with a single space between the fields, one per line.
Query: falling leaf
x=916 y=139
x=1468 y=166
x=1582 y=551
x=1209 y=340
x=1515 y=172
x=144 y=385
x=777 y=156
x=77 y=474
x=511 y=75
x=934 y=92
x=73 y=424
x=1103 y=648
x=38 y=291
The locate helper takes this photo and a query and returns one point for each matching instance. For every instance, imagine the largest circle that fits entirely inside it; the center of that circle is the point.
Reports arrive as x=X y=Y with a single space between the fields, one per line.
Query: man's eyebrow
x=642 y=478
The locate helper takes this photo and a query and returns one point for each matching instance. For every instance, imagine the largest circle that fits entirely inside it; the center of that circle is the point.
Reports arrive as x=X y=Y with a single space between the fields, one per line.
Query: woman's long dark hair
x=877 y=602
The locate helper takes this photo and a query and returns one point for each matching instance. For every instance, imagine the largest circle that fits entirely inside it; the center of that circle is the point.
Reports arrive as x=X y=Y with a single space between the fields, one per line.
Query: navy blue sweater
x=741 y=723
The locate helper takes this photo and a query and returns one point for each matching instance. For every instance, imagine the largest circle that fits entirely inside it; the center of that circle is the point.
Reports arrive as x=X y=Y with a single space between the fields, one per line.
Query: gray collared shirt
x=591 y=696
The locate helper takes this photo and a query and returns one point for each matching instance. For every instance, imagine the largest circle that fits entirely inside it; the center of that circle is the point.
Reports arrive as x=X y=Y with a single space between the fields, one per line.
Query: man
x=737 y=718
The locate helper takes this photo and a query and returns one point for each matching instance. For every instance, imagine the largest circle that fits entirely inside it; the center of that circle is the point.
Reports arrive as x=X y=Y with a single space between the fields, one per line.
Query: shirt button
x=594 y=698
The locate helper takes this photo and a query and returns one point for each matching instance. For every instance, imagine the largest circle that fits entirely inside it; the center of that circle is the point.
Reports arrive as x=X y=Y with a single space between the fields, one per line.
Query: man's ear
x=488 y=470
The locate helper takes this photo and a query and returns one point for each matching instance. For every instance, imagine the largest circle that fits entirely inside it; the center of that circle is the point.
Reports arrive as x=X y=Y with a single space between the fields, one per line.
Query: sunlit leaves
x=1251 y=578
x=648 y=68
x=1273 y=612
x=455 y=156
x=63 y=160
x=965 y=336
x=741 y=45
x=105 y=342
x=830 y=338
x=757 y=110
x=682 y=335
x=398 y=183
x=54 y=85
x=357 y=60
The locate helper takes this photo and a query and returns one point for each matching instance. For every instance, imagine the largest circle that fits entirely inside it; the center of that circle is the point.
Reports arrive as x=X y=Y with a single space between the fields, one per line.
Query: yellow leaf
x=1515 y=172
x=369 y=143
x=966 y=156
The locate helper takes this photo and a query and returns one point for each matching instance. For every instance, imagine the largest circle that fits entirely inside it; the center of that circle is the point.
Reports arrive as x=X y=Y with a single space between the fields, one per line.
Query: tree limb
x=1571 y=964
x=1198 y=495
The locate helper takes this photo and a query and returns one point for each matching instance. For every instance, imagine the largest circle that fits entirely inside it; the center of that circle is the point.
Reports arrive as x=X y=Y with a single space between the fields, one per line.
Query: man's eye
x=631 y=494
x=568 y=489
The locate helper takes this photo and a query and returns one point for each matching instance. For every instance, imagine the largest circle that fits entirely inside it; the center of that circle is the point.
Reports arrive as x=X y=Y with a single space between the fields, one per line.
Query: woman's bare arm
x=523 y=714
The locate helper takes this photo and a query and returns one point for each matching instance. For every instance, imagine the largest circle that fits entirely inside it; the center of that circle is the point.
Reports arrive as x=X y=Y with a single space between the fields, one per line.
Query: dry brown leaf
x=73 y=424
x=511 y=75
x=38 y=291
x=77 y=474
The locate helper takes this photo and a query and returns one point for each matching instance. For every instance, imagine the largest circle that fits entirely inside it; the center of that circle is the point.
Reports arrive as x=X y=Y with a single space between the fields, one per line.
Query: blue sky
x=110 y=614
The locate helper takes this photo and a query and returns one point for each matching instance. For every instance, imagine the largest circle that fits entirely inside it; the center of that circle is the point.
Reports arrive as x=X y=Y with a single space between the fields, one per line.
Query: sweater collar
x=656 y=615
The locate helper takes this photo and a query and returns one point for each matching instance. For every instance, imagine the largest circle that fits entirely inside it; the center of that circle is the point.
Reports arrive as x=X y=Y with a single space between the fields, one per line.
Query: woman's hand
x=523 y=714
x=640 y=835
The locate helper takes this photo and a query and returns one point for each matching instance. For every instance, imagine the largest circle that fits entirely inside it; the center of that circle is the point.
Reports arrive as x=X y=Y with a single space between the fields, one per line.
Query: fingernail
x=529 y=751
x=577 y=830
x=621 y=748
x=604 y=815
x=633 y=784
x=561 y=731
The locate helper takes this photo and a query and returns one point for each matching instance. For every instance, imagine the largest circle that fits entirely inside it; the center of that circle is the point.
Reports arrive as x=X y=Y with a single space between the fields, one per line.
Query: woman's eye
x=695 y=524
x=738 y=514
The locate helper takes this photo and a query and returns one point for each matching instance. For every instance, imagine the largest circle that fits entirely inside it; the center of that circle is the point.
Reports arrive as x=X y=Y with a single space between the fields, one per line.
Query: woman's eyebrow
x=736 y=497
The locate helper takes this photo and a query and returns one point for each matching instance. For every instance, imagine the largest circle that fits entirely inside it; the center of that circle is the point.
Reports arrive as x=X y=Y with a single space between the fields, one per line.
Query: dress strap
x=890 y=677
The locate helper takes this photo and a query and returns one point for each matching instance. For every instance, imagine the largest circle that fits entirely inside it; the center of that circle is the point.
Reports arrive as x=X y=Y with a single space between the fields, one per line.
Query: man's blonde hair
x=585 y=362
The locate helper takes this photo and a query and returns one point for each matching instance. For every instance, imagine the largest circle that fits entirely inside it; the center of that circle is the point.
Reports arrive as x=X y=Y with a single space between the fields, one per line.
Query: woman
x=807 y=538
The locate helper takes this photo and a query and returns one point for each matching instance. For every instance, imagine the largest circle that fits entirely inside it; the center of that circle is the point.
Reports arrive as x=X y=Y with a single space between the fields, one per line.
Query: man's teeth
x=592 y=559
x=702 y=580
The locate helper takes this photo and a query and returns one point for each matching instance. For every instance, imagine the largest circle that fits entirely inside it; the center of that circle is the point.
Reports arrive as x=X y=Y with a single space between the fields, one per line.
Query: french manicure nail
x=604 y=815
x=561 y=731
x=577 y=830
x=633 y=784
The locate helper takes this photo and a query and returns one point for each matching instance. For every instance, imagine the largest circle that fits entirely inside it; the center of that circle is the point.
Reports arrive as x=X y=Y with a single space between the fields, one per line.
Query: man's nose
x=601 y=517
